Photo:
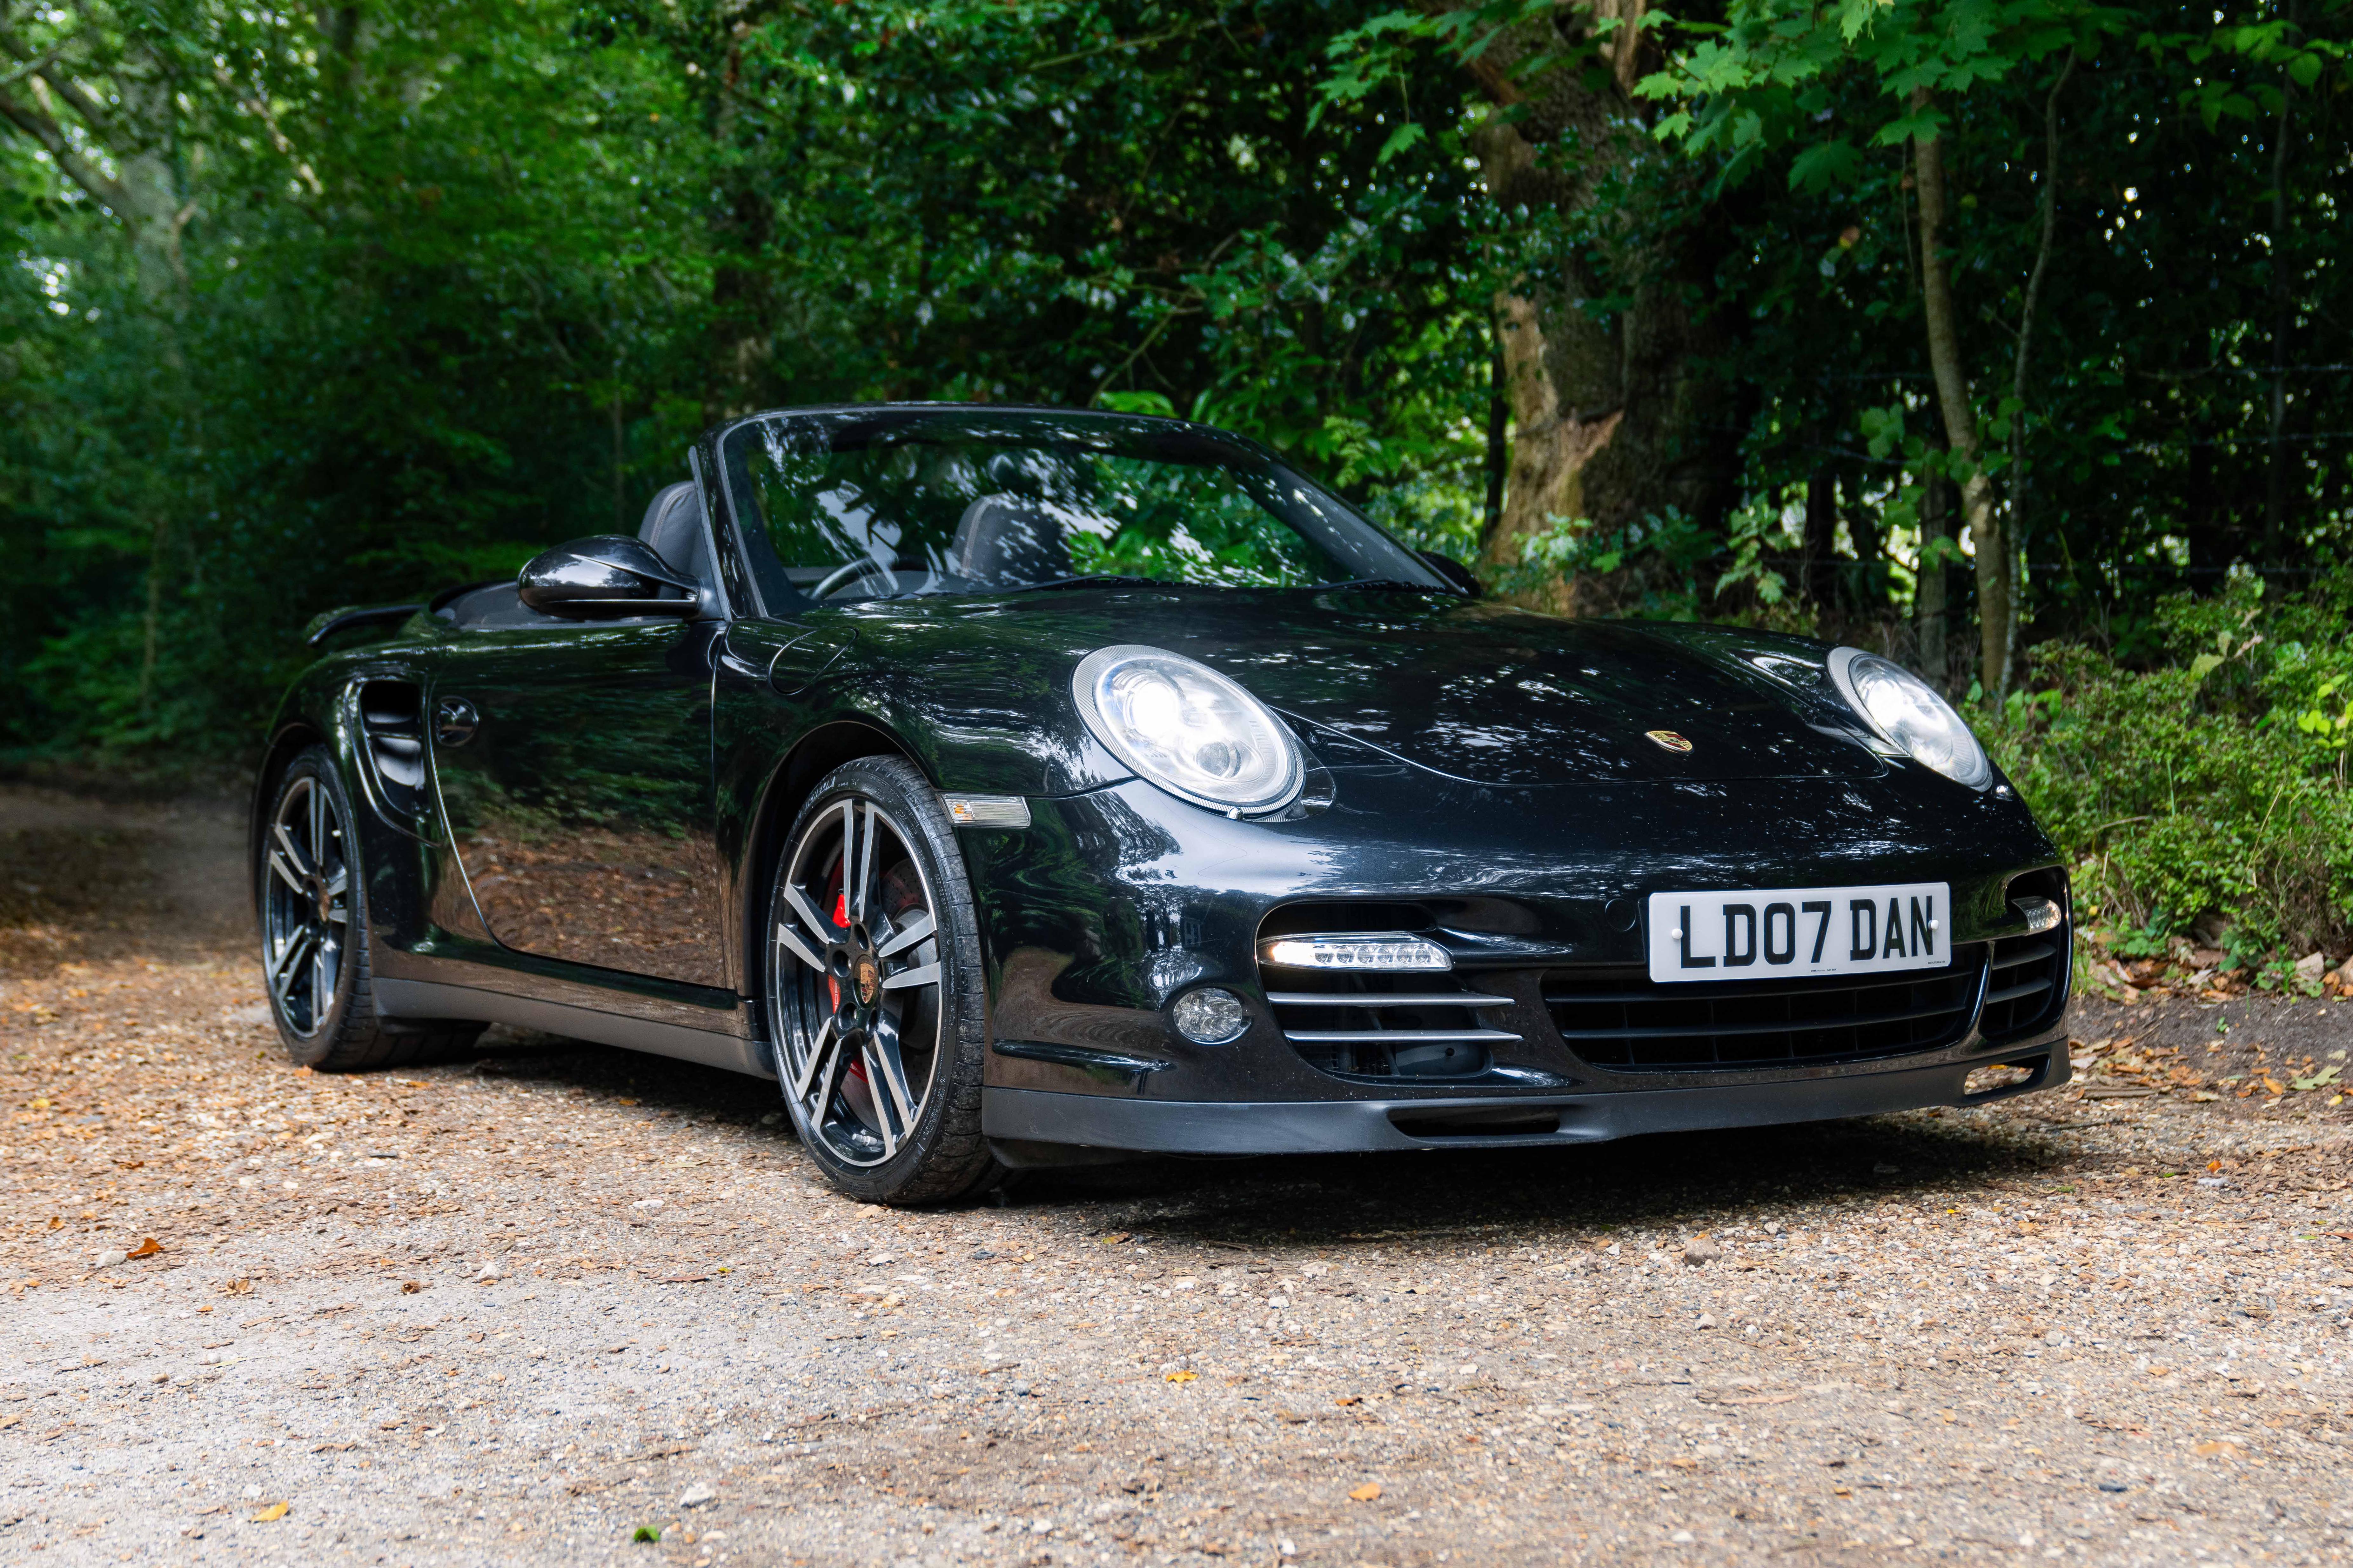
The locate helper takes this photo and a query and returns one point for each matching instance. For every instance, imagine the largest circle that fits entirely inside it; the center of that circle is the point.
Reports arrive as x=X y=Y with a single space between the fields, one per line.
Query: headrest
x=673 y=529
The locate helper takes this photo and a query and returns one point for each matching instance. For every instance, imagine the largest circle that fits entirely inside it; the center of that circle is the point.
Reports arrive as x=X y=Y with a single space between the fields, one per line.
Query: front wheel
x=874 y=989
x=314 y=934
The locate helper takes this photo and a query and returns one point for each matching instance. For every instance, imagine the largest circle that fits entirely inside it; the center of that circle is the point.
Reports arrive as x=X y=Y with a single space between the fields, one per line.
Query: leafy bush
x=2207 y=792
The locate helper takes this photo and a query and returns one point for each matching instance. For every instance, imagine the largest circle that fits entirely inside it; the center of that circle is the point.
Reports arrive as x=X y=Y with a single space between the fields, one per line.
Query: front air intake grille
x=1621 y=1018
x=392 y=726
x=2026 y=987
x=1385 y=1026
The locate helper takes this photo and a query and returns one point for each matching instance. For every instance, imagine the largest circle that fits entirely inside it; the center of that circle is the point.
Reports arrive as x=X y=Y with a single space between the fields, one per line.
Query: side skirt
x=433 y=999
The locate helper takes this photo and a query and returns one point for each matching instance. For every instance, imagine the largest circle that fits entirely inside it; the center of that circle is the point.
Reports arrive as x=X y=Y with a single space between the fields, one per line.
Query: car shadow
x=1692 y=1180
x=1696 y=1181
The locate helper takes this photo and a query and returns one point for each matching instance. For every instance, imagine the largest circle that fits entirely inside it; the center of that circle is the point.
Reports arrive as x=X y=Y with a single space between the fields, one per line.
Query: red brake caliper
x=833 y=983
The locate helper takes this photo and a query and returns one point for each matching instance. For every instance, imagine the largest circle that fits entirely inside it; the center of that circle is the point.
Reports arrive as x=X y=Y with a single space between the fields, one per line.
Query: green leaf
x=1403 y=137
x=1138 y=402
x=1825 y=165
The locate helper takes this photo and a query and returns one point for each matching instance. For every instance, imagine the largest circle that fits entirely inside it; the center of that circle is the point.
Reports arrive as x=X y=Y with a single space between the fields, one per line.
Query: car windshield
x=883 y=503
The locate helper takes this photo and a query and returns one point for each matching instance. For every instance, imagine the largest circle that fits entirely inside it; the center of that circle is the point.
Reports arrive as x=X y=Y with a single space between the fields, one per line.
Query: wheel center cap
x=866 y=978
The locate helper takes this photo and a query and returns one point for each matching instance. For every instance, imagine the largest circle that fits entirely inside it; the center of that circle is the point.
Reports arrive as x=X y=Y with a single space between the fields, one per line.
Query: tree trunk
x=1550 y=449
x=2018 y=482
x=1928 y=586
x=621 y=459
x=2283 y=313
x=1499 y=431
x=133 y=130
x=1960 y=416
x=1611 y=415
x=1817 y=564
x=1863 y=521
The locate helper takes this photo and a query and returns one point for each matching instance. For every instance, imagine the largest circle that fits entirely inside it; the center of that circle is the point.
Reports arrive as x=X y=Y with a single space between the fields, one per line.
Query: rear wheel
x=314 y=935
x=875 y=991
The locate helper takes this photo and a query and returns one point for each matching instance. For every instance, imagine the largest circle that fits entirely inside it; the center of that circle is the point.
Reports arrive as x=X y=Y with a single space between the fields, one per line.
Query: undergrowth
x=2203 y=795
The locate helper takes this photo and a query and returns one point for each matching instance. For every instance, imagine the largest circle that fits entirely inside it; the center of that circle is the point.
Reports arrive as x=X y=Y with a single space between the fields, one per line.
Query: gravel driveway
x=531 y=1306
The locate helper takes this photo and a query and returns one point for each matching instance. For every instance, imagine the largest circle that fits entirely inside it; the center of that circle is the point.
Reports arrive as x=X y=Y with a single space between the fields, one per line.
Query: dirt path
x=516 y=1310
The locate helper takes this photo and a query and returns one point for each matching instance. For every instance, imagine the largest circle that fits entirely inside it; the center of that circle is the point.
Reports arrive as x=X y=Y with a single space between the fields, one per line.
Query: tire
x=875 y=991
x=311 y=898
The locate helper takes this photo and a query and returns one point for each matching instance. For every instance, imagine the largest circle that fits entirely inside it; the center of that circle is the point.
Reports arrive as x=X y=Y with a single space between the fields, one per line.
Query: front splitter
x=1327 y=1127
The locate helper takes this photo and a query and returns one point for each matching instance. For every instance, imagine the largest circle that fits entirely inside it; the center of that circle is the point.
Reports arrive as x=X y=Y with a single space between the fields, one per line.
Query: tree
x=1598 y=288
x=1761 y=88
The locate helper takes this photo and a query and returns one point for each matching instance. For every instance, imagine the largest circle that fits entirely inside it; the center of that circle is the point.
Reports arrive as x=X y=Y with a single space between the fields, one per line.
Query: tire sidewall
x=914 y=1170
x=316 y=762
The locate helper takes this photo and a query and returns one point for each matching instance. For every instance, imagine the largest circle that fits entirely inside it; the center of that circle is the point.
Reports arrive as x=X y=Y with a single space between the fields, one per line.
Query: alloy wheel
x=306 y=923
x=858 y=965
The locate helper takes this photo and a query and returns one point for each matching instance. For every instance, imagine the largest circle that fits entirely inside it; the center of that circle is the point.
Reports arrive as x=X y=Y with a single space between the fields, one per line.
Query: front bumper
x=1117 y=901
x=1019 y=1117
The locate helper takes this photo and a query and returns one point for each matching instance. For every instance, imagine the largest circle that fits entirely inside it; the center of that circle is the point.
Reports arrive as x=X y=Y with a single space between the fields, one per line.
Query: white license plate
x=1772 y=933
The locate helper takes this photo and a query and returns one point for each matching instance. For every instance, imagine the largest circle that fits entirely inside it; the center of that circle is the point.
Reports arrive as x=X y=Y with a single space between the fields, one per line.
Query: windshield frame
x=1185 y=440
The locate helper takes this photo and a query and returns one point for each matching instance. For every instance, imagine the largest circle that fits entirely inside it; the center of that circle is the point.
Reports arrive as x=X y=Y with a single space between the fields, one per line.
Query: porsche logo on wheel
x=868 y=976
x=1668 y=739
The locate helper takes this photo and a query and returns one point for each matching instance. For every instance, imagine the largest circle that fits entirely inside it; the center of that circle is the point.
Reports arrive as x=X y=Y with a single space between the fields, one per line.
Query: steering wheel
x=841 y=576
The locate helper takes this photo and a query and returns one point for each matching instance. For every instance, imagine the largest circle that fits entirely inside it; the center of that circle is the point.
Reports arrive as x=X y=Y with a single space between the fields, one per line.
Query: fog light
x=1210 y=1017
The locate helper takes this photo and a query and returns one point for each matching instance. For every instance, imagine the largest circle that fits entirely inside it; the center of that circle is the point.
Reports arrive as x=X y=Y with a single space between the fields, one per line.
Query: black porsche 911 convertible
x=1026 y=786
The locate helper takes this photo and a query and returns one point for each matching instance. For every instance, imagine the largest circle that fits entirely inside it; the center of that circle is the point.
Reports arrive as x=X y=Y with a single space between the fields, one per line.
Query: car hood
x=1481 y=692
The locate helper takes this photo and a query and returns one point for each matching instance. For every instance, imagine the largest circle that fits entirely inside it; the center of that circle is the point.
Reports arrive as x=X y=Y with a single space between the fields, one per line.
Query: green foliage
x=1819 y=85
x=463 y=280
x=1670 y=567
x=457 y=280
x=2210 y=786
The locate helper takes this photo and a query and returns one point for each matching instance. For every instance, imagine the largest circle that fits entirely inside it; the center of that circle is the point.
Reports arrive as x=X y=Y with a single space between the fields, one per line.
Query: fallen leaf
x=236 y=1288
x=333 y=1447
x=1183 y=1376
x=1348 y=1399
x=8 y=1421
x=411 y=1287
x=275 y=1510
x=148 y=1248
x=2222 y=1449
x=1368 y=1493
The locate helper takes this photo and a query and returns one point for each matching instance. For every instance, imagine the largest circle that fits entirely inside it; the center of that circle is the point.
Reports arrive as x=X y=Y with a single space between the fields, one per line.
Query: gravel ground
x=526 y=1308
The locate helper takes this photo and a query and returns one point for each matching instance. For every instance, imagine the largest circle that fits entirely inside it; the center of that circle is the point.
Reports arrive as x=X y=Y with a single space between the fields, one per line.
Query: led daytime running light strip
x=1389 y=952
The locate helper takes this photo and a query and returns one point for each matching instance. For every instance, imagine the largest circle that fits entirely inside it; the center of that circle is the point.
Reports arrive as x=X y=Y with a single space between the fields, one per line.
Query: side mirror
x=1453 y=570
x=603 y=577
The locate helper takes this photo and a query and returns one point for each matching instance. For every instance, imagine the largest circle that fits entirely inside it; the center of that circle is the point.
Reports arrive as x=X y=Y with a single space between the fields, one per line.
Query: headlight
x=1909 y=715
x=1187 y=728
